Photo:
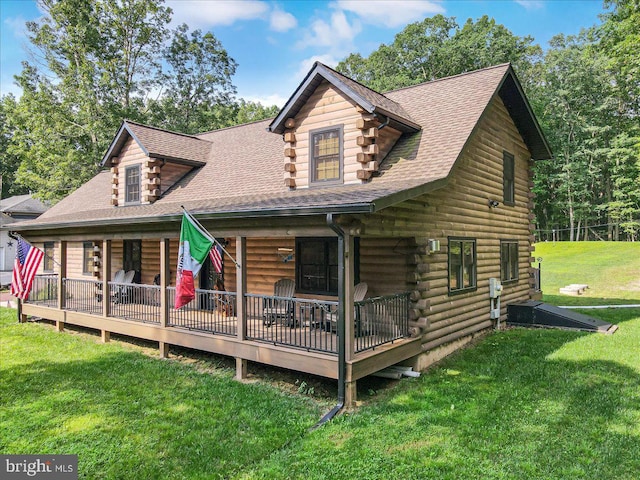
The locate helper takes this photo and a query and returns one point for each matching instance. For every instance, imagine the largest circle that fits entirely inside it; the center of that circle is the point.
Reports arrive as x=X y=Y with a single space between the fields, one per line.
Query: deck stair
x=574 y=289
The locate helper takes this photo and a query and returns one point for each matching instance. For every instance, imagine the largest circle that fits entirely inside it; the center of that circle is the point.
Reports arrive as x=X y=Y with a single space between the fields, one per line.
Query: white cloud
x=282 y=21
x=268 y=100
x=531 y=4
x=391 y=13
x=202 y=14
x=337 y=35
x=307 y=63
x=17 y=26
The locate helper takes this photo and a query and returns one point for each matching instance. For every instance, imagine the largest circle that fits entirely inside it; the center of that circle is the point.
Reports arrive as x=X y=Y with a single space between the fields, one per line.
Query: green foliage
x=102 y=62
x=437 y=47
x=9 y=163
x=200 y=83
x=593 y=178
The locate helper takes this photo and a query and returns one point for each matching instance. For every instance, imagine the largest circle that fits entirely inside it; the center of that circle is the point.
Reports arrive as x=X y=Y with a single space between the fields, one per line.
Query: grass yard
x=130 y=416
x=520 y=404
x=611 y=269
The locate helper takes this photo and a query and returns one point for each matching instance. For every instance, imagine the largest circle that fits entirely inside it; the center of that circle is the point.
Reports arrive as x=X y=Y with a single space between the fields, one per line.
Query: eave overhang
x=316 y=75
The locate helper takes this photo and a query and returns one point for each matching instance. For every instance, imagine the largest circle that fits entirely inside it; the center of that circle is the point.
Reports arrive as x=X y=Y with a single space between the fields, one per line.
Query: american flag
x=216 y=258
x=26 y=265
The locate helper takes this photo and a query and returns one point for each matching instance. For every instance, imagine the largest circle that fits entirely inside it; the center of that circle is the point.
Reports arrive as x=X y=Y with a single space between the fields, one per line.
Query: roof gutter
x=342 y=363
x=354 y=208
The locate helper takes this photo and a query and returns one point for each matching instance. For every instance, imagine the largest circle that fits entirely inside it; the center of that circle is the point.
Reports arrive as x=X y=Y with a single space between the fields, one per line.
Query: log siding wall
x=461 y=209
x=325 y=108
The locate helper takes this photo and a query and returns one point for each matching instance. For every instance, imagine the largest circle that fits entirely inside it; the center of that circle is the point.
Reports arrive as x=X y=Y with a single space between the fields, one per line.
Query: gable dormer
x=336 y=131
x=146 y=161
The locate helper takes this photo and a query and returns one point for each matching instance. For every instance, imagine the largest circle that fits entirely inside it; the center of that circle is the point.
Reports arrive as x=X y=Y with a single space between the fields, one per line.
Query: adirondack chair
x=359 y=292
x=122 y=292
x=118 y=278
x=280 y=308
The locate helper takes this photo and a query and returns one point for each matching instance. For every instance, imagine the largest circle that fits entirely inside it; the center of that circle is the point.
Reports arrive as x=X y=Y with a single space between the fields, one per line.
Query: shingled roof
x=370 y=100
x=242 y=173
x=158 y=143
x=22 y=205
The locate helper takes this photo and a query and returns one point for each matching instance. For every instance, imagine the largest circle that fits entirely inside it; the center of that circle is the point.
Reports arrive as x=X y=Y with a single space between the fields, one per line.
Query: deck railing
x=44 y=290
x=293 y=322
x=381 y=320
x=211 y=311
x=83 y=295
x=131 y=301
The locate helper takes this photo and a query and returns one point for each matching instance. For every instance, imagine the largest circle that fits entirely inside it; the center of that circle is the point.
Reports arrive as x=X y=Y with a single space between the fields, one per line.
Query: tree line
x=106 y=60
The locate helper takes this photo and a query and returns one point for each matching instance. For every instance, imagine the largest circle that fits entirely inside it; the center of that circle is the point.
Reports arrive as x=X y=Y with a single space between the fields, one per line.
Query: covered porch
x=306 y=337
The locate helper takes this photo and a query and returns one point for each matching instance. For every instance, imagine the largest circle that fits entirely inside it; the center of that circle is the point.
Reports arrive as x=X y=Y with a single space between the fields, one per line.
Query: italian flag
x=195 y=244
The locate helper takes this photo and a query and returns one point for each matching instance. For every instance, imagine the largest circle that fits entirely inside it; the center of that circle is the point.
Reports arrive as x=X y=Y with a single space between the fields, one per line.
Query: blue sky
x=276 y=42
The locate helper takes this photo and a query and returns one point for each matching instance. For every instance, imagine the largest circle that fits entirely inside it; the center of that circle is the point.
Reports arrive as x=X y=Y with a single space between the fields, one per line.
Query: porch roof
x=241 y=175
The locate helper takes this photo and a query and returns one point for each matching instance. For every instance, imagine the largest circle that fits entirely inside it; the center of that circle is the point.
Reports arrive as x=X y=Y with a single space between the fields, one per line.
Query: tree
x=437 y=47
x=199 y=79
x=9 y=163
x=100 y=62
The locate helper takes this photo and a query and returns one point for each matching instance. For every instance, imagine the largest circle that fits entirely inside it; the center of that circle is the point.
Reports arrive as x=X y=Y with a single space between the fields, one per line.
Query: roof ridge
x=270 y=119
x=471 y=72
x=163 y=130
x=359 y=83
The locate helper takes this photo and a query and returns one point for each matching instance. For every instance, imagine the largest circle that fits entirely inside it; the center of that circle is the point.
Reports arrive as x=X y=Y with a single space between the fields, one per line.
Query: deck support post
x=106 y=275
x=241 y=286
x=241 y=368
x=62 y=274
x=164 y=297
x=350 y=394
x=164 y=281
x=105 y=336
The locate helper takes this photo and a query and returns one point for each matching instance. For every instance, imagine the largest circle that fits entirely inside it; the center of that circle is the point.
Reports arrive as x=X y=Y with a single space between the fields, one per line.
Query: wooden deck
x=303 y=348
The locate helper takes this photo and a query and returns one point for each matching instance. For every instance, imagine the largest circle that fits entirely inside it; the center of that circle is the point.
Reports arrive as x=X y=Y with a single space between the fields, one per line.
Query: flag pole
x=212 y=237
x=15 y=236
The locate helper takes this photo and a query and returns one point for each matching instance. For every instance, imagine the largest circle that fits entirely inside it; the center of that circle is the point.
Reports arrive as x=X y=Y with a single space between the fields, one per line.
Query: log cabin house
x=422 y=193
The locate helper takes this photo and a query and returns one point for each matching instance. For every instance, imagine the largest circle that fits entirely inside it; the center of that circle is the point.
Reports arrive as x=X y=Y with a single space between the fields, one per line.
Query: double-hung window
x=462 y=265
x=508 y=260
x=325 y=155
x=132 y=184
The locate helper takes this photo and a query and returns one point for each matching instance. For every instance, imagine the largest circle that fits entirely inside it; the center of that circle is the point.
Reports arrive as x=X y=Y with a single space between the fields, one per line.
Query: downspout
x=342 y=364
x=383 y=124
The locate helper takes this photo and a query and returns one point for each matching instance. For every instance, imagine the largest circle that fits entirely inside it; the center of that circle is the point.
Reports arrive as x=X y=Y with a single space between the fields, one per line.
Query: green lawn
x=520 y=404
x=128 y=415
x=611 y=269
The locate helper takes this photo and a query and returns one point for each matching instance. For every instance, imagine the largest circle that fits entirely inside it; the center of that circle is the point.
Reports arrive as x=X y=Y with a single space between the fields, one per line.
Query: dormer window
x=326 y=155
x=132 y=184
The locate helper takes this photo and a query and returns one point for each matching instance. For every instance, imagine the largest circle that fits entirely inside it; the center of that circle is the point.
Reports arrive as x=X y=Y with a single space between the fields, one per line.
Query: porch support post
x=164 y=297
x=241 y=289
x=349 y=315
x=62 y=273
x=61 y=276
x=106 y=275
